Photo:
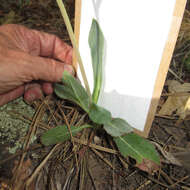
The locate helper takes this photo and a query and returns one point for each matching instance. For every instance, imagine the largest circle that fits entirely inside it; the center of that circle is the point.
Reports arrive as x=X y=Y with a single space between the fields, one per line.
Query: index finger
x=40 y=43
x=51 y=45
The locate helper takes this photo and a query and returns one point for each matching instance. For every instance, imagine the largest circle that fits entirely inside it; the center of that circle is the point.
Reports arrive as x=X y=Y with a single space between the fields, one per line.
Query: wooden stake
x=77 y=28
x=164 y=65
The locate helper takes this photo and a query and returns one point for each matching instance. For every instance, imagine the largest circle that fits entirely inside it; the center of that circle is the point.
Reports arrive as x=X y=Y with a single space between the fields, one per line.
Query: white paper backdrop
x=135 y=34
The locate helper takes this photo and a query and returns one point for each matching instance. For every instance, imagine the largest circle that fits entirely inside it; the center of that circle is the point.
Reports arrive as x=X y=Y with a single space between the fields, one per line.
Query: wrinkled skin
x=30 y=61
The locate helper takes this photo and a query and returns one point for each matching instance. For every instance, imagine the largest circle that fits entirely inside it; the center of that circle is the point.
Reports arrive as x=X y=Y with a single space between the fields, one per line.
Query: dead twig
x=175 y=75
x=103 y=158
x=179 y=181
x=101 y=148
x=91 y=177
x=144 y=184
x=31 y=178
x=31 y=132
x=155 y=180
x=69 y=128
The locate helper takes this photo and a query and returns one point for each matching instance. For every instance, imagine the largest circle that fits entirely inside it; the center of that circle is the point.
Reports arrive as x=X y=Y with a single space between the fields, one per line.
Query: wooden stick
x=77 y=28
x=74 y=43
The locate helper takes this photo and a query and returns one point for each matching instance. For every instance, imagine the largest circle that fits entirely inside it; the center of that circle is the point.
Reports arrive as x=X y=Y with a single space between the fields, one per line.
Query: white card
x=135 y=36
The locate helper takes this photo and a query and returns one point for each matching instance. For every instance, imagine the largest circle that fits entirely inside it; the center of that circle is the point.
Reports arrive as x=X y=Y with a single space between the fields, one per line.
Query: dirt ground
x=99 y=170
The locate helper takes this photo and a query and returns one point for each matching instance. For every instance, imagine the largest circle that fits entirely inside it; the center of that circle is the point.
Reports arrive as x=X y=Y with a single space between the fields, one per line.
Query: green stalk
x=73 y=40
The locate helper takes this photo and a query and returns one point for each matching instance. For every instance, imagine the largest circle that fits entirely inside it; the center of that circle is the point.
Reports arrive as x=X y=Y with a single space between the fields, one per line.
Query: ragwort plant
x=128 y=143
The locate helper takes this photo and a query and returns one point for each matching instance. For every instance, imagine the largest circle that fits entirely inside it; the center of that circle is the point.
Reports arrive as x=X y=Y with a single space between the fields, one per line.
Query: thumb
x=46 y=69
x=12 y=95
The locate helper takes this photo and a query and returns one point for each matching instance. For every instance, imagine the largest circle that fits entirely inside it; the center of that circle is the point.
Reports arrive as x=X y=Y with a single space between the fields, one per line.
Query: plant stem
x=73 y=40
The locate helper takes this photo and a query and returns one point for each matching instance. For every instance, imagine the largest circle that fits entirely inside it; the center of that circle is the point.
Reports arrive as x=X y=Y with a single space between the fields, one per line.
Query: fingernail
x=70 y=69
x=70 y=56
x=47 y=88
x=31 y=97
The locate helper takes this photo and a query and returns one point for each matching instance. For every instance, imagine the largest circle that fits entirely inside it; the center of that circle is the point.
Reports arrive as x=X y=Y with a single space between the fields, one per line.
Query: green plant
x=128 y=143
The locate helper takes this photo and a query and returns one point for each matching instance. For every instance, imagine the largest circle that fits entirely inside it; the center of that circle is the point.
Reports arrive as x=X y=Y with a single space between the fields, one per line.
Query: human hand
x=29 y=62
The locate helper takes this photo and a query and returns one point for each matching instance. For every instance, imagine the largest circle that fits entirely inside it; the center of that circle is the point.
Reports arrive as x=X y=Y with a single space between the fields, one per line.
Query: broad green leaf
x=96 y=43
x=60 y=134
x=72 y=90
x=99 y=115
x=137 y=147
x=117 y=127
